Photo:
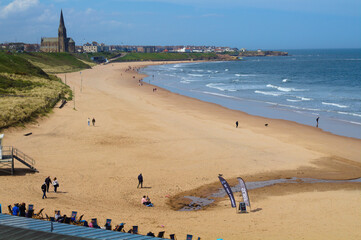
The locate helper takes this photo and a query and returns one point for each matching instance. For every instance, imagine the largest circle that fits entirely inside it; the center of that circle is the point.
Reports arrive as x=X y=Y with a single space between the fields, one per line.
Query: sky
x=250 y=24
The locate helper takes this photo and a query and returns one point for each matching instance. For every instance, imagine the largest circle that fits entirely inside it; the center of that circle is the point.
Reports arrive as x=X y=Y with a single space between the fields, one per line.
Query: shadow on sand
x=256 y=210
x=17 y=172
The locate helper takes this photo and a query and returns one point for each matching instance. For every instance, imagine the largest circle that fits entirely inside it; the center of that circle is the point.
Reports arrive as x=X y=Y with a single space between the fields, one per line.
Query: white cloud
x=17 y=6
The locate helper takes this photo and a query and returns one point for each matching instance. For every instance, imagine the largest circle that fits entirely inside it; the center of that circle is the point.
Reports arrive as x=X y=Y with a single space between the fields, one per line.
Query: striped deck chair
x=73 y=216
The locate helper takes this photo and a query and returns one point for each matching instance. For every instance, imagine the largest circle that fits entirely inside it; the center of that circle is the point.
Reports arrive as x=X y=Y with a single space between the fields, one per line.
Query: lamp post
x=81 y=83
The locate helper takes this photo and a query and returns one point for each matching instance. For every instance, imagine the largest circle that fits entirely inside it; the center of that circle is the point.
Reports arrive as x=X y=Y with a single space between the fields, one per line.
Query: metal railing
x=23 y=156
x=10 y=151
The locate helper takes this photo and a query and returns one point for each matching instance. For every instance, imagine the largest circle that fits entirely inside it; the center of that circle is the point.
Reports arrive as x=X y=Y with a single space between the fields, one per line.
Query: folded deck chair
x=39 y=214
x=81 y=217
x=189 y=237
x=135 y=229
x=73 y=216
x=172 y=236
x=161 y=234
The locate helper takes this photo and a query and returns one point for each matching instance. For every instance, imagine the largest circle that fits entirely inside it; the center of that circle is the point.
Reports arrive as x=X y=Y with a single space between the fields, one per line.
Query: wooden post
x=74 y=96
x=12 y=161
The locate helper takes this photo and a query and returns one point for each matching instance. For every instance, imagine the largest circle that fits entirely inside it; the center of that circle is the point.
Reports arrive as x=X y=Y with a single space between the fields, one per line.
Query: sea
x=299 y=87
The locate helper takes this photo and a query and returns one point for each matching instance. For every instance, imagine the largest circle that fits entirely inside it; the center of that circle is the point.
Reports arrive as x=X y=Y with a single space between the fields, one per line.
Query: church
x=58 y=44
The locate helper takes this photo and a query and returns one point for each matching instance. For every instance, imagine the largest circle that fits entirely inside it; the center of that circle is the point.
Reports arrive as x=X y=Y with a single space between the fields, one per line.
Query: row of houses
x=101 y=47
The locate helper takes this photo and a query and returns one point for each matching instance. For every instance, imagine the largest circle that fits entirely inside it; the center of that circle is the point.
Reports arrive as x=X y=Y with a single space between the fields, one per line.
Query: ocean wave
x=185 y=81
x=285 y=80
x=221 y=87
x=219 y=95
x=283 y=89
x=335 y=105
x=351 y=114
x=303 y=98
x=293 y=100
x=226 y=69
x=276 y=94
x=245 y=75
x=347 y=121
x=197 y=70
x=195 y=75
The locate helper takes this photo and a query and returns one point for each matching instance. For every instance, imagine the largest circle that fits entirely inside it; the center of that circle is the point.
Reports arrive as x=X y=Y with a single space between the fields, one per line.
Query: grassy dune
x=13 y=64
x=26 y=91
x=55 y=62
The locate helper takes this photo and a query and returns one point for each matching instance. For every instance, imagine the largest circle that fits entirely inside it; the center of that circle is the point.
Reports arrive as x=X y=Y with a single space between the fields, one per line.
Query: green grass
x=26 y=97
x=10 y=86
x=10 y=63
x=166 y=56
x=54 y=62
x=26 y=91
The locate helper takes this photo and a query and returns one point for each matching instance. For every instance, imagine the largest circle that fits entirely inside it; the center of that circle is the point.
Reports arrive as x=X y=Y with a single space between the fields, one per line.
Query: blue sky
x=252 y=24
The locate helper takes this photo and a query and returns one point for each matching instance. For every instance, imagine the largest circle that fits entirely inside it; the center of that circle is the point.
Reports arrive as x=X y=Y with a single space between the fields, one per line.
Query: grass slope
x=55 y=62
x=166 y=56
x=12 y=64
x=26 y=91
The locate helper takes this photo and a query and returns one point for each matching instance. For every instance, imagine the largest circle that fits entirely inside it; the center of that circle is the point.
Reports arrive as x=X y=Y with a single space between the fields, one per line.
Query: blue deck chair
x=172 y=236
x=108 y=224
x=30 y=212
x=189 y=237
x=73 y=216
x=135 y=229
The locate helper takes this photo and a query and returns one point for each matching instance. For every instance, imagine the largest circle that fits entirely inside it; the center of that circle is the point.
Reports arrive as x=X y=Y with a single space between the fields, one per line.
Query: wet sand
x=181 y=145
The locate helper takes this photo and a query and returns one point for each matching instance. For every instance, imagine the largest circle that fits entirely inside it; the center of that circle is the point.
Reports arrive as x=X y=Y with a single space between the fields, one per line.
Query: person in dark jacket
x=140 y=181
x=43 y=188
x=22 y=210
x=47 y=181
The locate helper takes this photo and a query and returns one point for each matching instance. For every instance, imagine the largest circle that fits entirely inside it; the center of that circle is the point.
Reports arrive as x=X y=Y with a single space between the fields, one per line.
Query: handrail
x=10 y=150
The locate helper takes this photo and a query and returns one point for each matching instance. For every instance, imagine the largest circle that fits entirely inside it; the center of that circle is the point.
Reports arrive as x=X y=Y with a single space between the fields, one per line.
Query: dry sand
x=181 y=145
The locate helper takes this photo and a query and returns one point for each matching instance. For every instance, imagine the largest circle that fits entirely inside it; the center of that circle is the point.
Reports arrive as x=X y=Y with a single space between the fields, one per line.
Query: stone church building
x=58 y=44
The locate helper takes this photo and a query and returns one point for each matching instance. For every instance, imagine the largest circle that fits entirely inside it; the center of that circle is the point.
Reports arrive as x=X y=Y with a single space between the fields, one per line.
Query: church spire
x=61 y=24
x=62 y=38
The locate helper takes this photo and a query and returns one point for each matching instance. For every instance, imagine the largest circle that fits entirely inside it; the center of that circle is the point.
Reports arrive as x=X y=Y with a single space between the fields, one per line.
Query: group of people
x=93 y=122
x=19 y=210
x=46 y=185
x=146 y=201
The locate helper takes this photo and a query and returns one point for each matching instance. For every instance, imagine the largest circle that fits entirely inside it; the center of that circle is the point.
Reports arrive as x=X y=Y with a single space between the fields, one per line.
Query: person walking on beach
x=88 y=121
x=318 y=118
x=93 y=121
x=55 y=184
x=47 y=181
x=43 y=188
x=236 y=124
x=140 y=181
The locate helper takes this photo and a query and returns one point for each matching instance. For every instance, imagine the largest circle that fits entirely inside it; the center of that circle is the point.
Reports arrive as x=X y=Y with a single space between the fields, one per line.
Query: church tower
x=62 y=38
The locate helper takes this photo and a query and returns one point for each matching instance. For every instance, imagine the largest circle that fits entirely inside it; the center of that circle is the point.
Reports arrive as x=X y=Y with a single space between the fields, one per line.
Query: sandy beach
x=180 y=145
